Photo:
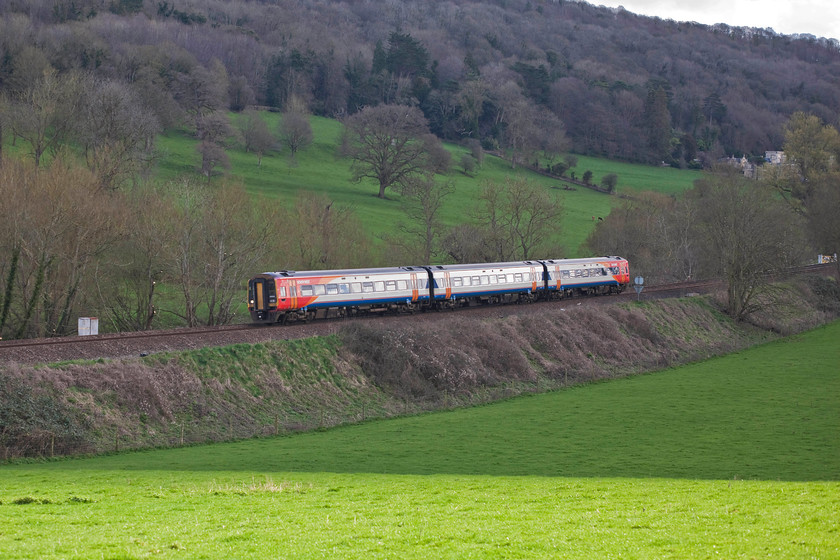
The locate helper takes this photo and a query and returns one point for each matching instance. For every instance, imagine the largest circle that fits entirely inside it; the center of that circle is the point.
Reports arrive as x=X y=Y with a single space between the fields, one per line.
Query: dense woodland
x=86 y=87
x=514 y=74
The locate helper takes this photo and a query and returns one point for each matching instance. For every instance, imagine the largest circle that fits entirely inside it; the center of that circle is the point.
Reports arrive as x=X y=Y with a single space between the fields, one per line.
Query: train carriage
x=488 y=282
x=599 y=275
x=292 y=295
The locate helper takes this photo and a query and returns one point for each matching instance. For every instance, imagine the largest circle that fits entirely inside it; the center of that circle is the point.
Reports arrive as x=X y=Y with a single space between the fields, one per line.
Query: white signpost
x=639 y=285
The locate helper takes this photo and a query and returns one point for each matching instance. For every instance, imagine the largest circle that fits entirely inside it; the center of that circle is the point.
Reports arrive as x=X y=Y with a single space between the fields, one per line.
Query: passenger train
x=287 y=295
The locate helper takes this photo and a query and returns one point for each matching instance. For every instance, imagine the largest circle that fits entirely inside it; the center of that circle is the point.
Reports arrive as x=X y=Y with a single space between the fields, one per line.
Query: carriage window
x=344 y=288
x=485 y=280
x=282 y=291
x=502 y=279
x=391 y=285
x=423 y=284
x=457 y=282
x=319 y=289
x=332 y=289
x=476 y=280
x=402 y=284
x=566 y=274
x=379 y=286
x=367 y=287
x=493 y=279
x=306 y=291
x=356 y=288
x=517 y=277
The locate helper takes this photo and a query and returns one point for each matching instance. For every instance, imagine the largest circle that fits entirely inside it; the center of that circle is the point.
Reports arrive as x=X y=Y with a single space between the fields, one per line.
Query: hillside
x=603 y=82
x=320 y=169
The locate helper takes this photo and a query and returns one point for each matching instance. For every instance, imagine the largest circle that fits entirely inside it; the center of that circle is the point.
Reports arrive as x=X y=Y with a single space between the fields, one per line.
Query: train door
x=262 y=296
x=533 y=279
x=258 y=299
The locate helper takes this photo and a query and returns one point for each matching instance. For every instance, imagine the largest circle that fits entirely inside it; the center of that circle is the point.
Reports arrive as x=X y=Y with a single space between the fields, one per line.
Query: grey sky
x=816 y=17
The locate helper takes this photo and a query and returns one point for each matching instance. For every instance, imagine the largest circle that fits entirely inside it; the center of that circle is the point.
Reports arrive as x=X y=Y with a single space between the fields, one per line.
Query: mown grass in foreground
x=648 y=467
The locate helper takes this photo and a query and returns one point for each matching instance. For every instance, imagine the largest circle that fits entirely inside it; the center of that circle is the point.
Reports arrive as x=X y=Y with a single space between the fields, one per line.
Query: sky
x=820 y=18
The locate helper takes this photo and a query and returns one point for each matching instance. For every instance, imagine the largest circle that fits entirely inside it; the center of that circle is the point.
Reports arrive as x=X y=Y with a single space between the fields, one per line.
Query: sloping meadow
x=366 y=371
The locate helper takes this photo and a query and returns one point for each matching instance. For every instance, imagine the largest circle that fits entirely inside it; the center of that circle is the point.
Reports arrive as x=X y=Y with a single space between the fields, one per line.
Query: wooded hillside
x=515 y=74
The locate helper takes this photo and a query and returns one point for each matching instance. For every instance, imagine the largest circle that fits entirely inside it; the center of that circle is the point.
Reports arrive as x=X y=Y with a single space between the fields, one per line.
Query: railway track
x=115 y=345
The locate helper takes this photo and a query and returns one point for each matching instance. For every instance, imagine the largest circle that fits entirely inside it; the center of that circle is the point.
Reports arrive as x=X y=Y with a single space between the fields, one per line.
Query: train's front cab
x=620 y=269
x=267 y=297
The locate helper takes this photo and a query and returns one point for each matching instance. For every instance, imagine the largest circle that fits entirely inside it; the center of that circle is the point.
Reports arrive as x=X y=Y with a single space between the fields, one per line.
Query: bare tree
x=234 y=245
x=116 y=132
x=58 y=224
x=215 y=132
x=128 y=284
x=425 y=198
x=201 y=91
x=535 y=217
x=322 y=235
x=295 y=130
x=258 y=138
x=656 y=232
x=520 y=219
x=745 y=235
x=384 y=144
x=217 y=239
x=44 y=114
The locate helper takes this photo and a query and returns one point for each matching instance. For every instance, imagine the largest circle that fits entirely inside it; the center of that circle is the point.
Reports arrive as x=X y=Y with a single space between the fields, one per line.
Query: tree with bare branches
x=384 y=143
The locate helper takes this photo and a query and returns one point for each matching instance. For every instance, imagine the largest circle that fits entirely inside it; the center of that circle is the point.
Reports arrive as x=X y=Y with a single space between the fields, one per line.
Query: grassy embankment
x=368 y=370
x=734 y=457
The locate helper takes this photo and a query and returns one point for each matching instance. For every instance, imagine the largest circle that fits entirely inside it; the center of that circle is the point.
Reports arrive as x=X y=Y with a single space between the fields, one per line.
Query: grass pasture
x=320 y=169
x=735 y=457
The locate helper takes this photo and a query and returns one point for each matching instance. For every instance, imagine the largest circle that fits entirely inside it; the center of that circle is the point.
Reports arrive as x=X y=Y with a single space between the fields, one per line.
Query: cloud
x=816 y=17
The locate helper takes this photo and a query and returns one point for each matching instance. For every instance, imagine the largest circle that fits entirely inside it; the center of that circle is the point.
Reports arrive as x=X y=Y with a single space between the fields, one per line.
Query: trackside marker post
x=638 y=285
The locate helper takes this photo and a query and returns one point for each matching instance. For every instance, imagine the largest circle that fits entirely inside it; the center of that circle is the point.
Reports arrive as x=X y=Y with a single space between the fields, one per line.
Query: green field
x=736 y=457
x=320 y=169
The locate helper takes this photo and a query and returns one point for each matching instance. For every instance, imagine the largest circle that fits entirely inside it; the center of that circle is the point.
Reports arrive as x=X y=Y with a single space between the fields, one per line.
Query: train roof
x=585 y=260
x=444 y=267
x=342 y=272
